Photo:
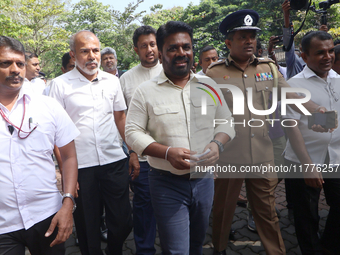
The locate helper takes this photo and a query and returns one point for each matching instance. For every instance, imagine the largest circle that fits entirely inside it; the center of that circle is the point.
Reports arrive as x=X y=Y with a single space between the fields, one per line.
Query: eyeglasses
x=22 y=121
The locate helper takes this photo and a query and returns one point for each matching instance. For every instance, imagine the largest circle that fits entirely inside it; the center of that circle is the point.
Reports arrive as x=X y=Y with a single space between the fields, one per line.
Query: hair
x=11 y=43
x=143 y=30
x=337 y=53
x=172 y=27
x=108 y=50
x=205 y=49
x=30 y=55
x=73 y=39
x=307 y=38
x=336 y=42
x=65 y=59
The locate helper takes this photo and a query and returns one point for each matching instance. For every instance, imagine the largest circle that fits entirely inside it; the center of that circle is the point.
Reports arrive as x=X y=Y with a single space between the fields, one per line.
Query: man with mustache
x=144 y=222
x=33 y=213
x=165 y=123
x=109 y=61
x=95 y=103
x=252 y=145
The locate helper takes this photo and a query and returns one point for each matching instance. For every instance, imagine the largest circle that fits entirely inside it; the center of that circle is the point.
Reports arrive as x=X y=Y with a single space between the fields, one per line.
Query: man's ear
x=136 y=50
x=72 y=55
x=160 y=57
x=200 y=62
x=260 y=51
x=63 y=69
x=228 y=43
x=304 y=56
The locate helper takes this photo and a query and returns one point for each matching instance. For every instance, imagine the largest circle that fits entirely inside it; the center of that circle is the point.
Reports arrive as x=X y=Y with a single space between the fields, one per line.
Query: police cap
x=240 y=20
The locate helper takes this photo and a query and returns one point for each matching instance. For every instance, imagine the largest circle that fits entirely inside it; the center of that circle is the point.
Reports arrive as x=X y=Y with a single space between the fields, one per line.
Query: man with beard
x=33 y=213
x=144 y=222
x=109 y=61
x=95 y=103
x=163 y=117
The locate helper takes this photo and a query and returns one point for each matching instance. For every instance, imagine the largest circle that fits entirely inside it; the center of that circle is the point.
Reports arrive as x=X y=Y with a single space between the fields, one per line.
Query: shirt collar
x=308 y=73
x=149 y=68
x=75 y=74
x=229 y=60
x=162 y=78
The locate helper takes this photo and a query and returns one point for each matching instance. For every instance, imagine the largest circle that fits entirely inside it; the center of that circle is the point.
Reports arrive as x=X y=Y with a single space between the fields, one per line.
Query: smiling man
x=95 y=103
x=158 y=125
x=305 y=148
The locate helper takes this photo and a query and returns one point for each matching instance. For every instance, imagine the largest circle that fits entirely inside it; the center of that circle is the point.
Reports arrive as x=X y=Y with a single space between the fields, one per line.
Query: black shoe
x=220 y=252
x=232 y=234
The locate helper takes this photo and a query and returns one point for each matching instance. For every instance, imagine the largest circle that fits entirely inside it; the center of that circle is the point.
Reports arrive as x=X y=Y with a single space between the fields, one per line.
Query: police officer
x=252 y=145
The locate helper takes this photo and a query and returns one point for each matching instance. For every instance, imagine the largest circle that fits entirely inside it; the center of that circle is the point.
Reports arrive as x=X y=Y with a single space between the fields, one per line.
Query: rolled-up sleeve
x=136 y=124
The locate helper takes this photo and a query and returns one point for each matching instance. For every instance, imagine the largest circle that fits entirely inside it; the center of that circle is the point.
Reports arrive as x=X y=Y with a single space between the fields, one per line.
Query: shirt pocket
x=202 y=121
x=108 y=104
x=167 y=118
x=263 y=89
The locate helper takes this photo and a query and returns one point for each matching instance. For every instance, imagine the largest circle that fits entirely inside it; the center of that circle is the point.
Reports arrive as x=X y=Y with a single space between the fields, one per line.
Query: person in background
x=32 y=72
x=109 y=61
x=208 y=55
x=144 y=222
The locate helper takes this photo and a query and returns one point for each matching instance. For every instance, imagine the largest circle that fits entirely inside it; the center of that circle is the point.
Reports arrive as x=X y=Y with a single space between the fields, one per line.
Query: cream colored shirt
x=163 y=112
x=136 y=76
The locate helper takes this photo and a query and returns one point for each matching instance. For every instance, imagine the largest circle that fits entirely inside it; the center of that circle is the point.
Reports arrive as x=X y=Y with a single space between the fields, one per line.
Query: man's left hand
x=134 y=166
x=64 y=221
x=212 y=156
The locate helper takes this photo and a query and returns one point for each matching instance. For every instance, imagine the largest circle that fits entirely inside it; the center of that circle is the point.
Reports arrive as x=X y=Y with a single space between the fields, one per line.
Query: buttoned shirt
x=36 y=86
x=136 y=76
x=251 y=145
x=91 y=105
x=133 y=78
x=163 y=112
x=323 y=93
x=29 y=192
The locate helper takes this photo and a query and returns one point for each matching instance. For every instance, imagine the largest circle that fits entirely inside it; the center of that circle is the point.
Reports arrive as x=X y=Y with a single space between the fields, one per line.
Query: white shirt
x=160 y=111
x=91 y=105
x=317 y=144
x=29 y=193
x=136 y=76
x=37 y=86
x=201 y=73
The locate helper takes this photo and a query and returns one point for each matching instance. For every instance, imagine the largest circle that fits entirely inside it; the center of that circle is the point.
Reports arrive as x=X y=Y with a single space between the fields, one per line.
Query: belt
x=168 y=173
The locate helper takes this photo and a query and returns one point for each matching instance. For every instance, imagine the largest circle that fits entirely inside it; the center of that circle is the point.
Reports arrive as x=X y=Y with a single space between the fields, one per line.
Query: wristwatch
x=70 y=196
x=131 y=151
x=219 y=144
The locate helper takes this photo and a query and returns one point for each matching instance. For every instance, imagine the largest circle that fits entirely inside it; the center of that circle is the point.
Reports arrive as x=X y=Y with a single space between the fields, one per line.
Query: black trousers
x=14 y=243
x=305 y=202
x=111 y=183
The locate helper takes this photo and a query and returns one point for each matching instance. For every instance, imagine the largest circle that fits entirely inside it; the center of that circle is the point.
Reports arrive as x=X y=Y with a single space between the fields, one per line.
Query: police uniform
x=251 y=145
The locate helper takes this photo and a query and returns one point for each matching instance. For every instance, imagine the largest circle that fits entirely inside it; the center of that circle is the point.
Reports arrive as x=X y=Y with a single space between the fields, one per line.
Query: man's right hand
x=177 y=158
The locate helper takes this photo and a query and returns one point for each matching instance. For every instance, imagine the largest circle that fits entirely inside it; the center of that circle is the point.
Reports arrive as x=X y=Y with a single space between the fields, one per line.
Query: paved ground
x=247 y=242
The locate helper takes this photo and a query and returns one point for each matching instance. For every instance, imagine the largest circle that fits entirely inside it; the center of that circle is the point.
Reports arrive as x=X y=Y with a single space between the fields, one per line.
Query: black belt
x=168 y=173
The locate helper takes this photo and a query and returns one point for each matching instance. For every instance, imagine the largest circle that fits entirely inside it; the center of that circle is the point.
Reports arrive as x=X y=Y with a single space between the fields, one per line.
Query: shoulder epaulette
x=264 y=60
x=219 y=62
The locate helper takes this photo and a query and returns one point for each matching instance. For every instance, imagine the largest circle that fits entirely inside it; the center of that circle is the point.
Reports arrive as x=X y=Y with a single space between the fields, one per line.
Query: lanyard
x=22 y=121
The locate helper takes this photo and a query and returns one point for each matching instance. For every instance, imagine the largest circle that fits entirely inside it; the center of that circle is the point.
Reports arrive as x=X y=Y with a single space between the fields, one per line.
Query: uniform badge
x=248 y=20
x=264 y=76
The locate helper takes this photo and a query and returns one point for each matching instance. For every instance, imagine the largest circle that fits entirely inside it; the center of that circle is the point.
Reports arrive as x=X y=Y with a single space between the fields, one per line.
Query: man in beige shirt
x=164 y=122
